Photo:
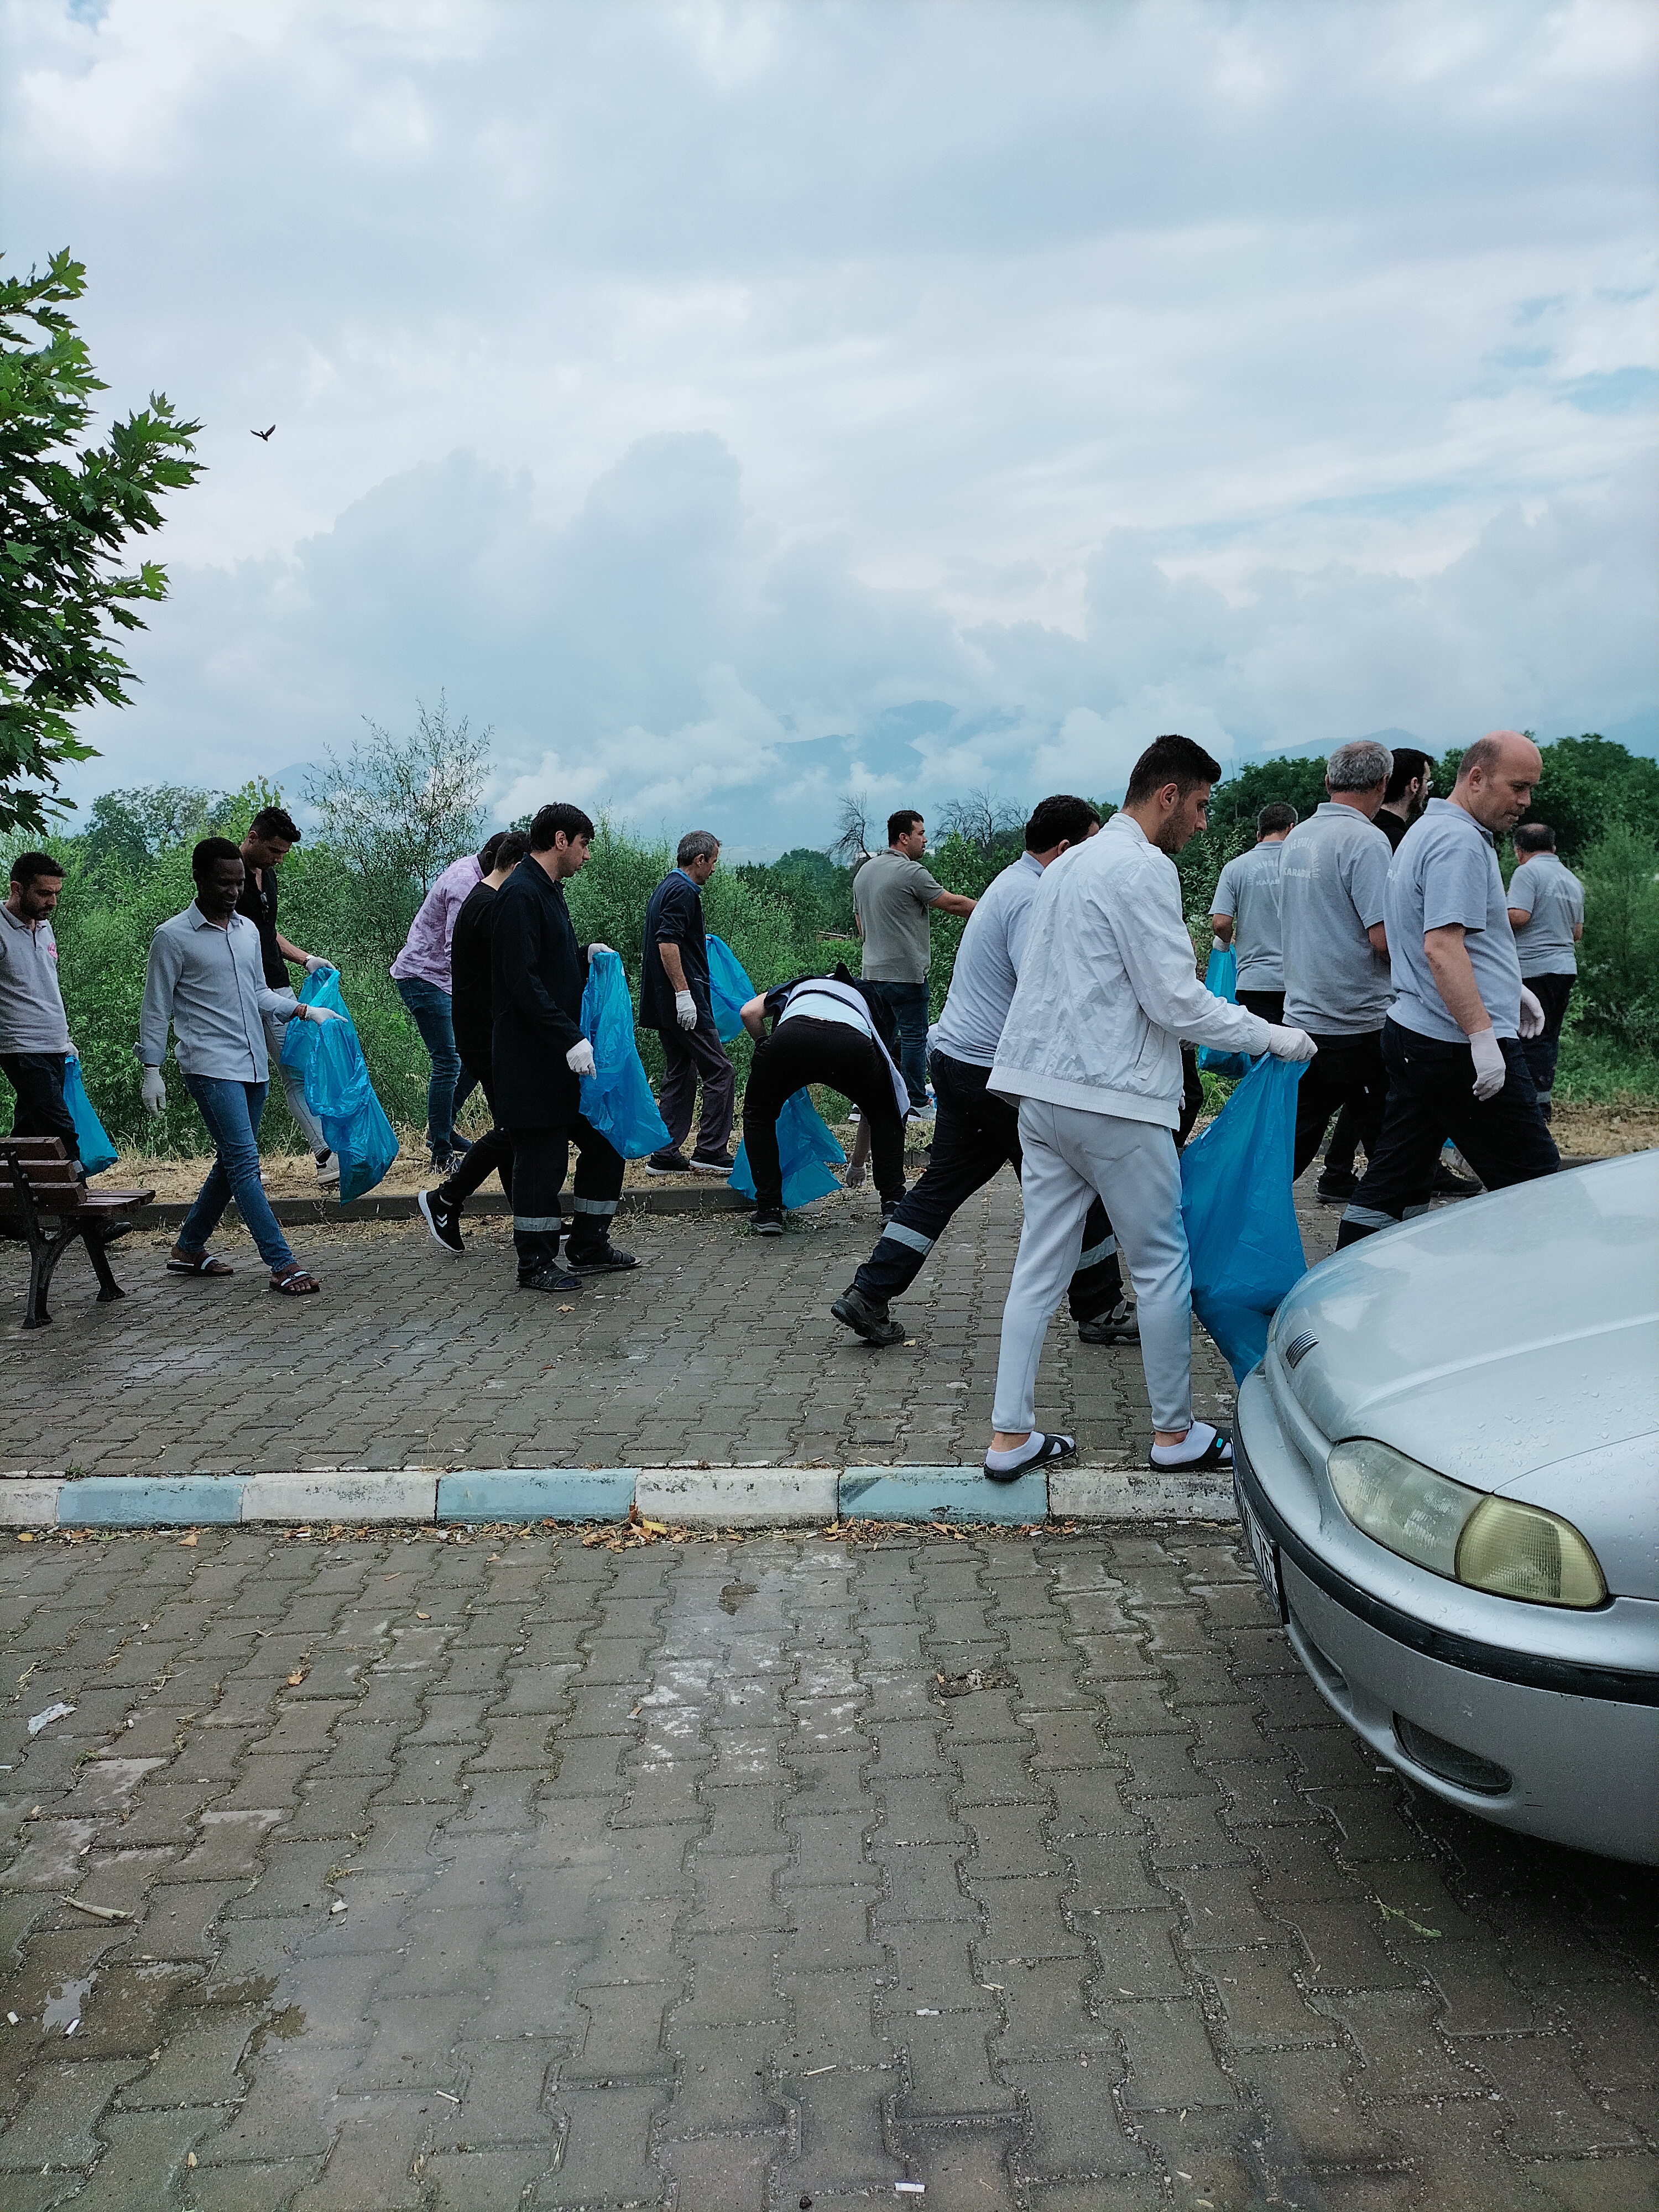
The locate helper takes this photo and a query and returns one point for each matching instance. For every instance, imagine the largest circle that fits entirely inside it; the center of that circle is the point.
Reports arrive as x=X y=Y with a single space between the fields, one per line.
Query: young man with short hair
x=892 y=896
x=674 y=1002
x=422 y=974
x=1411 y=787
x=1454 y=1040
x=1244 y=912
x=1090 y=1054
x=1546 y=913
x=272 y=835
x=34 y=1039
x=206 y=977
x=537 y=975
x=976 y=1135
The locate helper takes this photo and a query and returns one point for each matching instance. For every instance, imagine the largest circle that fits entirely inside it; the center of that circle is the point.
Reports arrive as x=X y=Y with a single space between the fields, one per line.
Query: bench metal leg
x=44 y=1255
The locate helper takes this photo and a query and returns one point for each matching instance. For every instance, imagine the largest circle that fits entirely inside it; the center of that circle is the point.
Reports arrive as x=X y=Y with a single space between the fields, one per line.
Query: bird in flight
x=261 y=433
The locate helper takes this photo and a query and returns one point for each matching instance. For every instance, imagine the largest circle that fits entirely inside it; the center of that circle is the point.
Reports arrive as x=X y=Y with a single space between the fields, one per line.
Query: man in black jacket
x=539 y=1056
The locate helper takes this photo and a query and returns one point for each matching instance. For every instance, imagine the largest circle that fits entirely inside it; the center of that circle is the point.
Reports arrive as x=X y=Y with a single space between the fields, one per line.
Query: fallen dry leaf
x=188 y=1543
x=423 y=1616
x=296 y=1678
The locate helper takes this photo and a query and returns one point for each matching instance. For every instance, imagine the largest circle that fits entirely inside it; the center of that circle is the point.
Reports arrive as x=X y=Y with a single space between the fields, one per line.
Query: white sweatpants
x=1069 y=1156
x=292 y=1083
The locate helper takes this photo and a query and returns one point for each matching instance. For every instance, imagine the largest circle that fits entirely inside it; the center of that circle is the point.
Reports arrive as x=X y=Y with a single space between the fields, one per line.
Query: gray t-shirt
x=1247 y=888
x=1548 y=891
x=988 y=967
x=890 y=896
x=1333 y=883
x=32 y=1017
x=1446 y=871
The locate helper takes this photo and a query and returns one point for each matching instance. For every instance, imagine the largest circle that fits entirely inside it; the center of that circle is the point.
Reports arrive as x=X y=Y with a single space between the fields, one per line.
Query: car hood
x=1498 y=1338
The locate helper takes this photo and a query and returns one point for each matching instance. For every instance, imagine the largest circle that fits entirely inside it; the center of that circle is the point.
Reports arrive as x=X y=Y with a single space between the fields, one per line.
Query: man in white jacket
x=1090 y=1054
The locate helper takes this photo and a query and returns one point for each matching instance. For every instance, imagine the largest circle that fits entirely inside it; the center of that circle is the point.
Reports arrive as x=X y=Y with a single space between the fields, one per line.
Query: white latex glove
x=315 y=965
x=579 y=1058
x=71 y=1051
x=1290 y=1044
x=597 y=947
x=685 y=1010
x=154 y=1092
x=321 y=1014
x=1216 y=946
x=1532 y=1014
x=1490 y=1073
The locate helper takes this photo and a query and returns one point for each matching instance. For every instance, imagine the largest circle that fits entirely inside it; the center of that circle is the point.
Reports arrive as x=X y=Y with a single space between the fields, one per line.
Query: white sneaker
x=328 y=1168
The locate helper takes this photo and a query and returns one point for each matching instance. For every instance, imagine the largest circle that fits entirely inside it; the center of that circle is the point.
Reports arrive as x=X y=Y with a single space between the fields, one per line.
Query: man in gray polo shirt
x=1452 y=1042
x=1244 y=912
x=1546 y=913
x=35 y=1038
x=1332 y=886
x=892 y=896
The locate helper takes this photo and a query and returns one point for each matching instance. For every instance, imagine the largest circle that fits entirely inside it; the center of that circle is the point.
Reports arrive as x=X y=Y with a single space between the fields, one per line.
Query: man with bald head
x=1452 y=1041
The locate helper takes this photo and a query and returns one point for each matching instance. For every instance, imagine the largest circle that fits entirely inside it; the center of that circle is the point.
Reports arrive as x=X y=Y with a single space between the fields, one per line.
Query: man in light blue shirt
x=1452 y=1042
x=1546 y=913
x=206 y=976
x=976 y=1135
x=1244 y=912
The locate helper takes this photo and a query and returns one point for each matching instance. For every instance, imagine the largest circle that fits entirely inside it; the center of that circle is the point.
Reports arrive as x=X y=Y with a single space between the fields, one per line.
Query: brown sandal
x=296 y=1282
x=198 y=1263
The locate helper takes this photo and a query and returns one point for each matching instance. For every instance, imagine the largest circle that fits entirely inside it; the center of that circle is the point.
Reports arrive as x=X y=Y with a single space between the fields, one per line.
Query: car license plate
x=1263 y=1551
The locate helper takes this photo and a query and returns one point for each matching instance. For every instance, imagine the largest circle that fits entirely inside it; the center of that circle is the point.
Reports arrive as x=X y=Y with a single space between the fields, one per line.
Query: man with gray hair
x=1333 y=883
x=674 y=1000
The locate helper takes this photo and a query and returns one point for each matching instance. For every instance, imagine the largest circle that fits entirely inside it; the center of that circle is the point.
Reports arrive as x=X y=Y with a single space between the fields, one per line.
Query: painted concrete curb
x=759 y=1497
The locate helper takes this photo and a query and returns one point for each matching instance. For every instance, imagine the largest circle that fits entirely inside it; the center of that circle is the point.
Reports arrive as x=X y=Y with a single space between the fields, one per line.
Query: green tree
x=65 y=517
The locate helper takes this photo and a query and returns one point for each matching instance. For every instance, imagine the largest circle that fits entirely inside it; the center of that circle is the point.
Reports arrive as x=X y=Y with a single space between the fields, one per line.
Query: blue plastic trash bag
x=338 y=1088
x=807 y=1150
x=729 y=989
x=617 y=1098
x=1241 y=1222
x=1221 y=977
x=97 y=1153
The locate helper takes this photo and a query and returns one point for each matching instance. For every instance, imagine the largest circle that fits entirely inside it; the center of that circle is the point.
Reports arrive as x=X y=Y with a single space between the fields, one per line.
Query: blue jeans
x=451 y=1083
x=232 y=1112
x=907 y=1004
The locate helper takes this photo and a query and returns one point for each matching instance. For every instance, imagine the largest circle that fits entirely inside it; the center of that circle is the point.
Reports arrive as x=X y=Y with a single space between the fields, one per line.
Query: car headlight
x=1486 y=1543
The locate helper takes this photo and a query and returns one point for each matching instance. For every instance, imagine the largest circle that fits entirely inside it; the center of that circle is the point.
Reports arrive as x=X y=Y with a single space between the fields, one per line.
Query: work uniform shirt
x=257 y=903
x=472 y=1000
x=1446 y=871
x=32 y=1017
x=425 y=955
x=536 y=982
x=673 y=915
x=210 y=983
x=986 y=971
x=1248 y=891
x=890 y=896
x=1333 y=886
x=1549 y=892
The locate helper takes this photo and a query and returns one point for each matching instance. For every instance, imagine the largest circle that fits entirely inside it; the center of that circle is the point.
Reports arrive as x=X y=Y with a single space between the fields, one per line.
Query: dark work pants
x=1192 y=1101
x=686 y=1055
x=975 y=1137
x=1346 y=1071
x=38 y=1079
x=907 y=1004
x=539 y=1158
x=1269 y=1004
x=491 y=1155
x=1432 y=1097
x=1551 y=993
x=806 y=1051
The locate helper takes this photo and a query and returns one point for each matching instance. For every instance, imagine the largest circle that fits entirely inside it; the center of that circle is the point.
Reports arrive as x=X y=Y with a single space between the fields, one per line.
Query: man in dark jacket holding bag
x=537 y=975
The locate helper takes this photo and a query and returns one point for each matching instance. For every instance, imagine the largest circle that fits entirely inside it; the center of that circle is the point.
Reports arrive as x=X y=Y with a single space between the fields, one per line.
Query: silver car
x=1448 y=1469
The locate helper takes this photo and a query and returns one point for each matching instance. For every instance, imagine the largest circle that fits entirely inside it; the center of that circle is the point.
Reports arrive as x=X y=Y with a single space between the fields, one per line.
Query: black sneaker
x=768 y=1221
x=866 y=1319
x=443 y=1219
x=670 y=1162
x=889 y=1206
x=601 y=1260
x=550 y=1279
x=1336 y=1186
x=1121 y=1325
x=1446 y=1184
x=713 y=1163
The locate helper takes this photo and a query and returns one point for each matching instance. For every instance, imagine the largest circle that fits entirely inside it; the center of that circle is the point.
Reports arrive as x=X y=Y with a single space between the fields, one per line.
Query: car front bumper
x=1572 y=1752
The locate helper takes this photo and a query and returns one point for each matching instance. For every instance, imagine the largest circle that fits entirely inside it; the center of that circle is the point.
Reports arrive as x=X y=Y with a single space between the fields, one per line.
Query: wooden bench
x=38 y=1185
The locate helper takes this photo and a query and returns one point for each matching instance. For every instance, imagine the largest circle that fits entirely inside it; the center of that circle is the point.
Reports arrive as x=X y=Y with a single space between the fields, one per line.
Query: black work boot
x=867 y=1318
x=600 y=1259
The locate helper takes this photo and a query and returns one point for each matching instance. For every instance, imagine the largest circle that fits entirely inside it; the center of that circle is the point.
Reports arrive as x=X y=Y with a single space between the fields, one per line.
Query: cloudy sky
x=734 y=404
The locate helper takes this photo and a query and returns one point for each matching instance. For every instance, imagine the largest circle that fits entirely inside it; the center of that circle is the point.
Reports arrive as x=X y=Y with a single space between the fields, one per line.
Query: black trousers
x=1346 y=1071
x=1270 y=1005
x=539 y=1159
x=806 y=1051
x=975 y=1137
x=1432 y=1097
x=491 y=1154
x=688 y=1054
x=38 y=1079
x=1551 y=993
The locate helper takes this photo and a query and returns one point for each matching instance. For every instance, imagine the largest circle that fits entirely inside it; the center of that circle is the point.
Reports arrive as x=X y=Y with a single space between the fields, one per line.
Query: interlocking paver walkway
x=520 y=1871
x=719 y=1347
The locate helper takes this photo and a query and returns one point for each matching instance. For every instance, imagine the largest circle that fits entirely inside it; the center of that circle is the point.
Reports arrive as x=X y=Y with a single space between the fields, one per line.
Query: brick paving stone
x=1142 y=1928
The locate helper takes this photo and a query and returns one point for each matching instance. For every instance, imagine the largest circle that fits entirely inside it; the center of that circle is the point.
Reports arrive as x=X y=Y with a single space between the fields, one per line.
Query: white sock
x=1192 y=1446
